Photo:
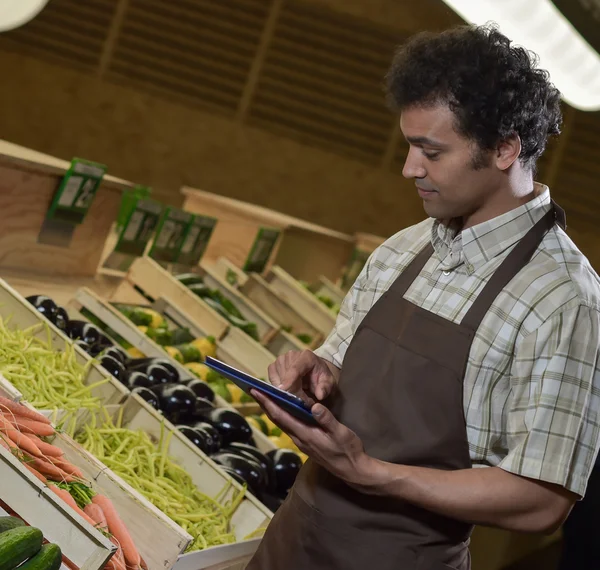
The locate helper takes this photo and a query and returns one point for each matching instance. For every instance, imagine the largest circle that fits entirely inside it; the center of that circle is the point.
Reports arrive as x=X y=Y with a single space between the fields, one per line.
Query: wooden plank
x=267 y=327
x=327 y=288
x=280 y=308
x=284 y=342
x=302 y=300
x=228 y=271
x=256 y=357
x=156 y=282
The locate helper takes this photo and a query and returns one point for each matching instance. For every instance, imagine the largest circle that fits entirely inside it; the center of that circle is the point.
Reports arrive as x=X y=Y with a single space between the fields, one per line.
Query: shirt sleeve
x=554 y=417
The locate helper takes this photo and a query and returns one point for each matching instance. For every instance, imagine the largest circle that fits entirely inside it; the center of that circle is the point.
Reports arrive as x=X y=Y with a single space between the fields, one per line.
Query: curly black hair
x=492 y=86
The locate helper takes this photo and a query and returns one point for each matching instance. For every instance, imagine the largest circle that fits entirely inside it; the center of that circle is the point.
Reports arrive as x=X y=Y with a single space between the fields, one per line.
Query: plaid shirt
x=532 y=383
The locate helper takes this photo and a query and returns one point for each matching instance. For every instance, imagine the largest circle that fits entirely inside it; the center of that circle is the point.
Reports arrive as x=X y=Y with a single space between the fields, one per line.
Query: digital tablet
x=290 y=403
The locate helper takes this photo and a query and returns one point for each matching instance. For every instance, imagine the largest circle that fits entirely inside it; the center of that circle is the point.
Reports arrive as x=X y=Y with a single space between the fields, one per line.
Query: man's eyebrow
x=425 y=141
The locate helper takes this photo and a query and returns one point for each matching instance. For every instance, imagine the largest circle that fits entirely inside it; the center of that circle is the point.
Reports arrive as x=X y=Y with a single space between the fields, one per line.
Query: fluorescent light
x=15 y=13
x=539 y=26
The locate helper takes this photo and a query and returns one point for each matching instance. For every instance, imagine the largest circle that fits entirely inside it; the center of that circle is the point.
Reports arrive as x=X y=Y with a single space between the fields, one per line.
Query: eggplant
x=248 y=470
x=115 y=368
x=233 y=475
x=147 y=395
x=251 y=452
x=85 y=331
x=202 y=390
x=272 y=502
x=212 y=433
x=203 y=407
x=199 y=438
x=62 y=319
x=45 y=306
x=157 y=375
x=230 y=425
x=178 y=403
x=143 y=364
x=102 y=345
x=83 y=345
x=137 y=380
x=116 y=353
x=286 y=466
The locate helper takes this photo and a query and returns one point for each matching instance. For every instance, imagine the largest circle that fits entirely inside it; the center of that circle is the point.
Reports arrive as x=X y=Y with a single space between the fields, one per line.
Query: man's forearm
x=487 y=496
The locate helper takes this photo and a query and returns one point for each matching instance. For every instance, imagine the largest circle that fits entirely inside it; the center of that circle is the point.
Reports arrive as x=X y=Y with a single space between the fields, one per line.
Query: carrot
x=17 y=437
x=118 y=557
x=22 y=411
x=31 y=426
x=51 y=471
x=143 y=564
x=66 y=497
x=37 y=474
x=66 y=466
x=117 y=562
x=46 y=448
x=118 y=530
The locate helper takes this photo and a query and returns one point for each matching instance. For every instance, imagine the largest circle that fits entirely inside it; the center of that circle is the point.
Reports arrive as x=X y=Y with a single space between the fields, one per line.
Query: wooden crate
x=227 y=270
x=128 y=331
x=23 y=315
x=25 y=496
x=280 y=308
x=325 y=287
x=285 y=342
x=249 y=517
x=267 y=327
x=302 y=300
x=28 y=182
x=155 y=282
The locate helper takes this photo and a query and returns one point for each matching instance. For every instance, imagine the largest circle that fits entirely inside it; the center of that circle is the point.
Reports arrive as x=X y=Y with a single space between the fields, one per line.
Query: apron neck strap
x=407 y=277
x=518 y=258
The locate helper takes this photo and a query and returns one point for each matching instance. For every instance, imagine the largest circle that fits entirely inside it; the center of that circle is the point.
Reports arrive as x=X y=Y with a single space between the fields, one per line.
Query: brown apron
x=401 y=391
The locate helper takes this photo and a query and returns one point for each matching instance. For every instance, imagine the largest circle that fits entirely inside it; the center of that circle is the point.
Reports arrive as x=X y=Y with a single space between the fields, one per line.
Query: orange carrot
x=118 y=530
x=66 y=497
x=31 y=426
x=66 y=466
x=37 y=474
x=50 y=471
x=17 y=437
x=117 y=562
x=7 y=441
x=118 y=555
x=46 y=448
x=143 y=564
x=21 y=410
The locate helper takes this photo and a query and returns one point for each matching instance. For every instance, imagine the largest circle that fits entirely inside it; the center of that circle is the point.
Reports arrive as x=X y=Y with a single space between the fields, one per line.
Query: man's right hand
x=304 y=374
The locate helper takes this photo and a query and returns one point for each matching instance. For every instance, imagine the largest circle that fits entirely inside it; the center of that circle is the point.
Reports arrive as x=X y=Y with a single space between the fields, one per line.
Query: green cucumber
x=8 y=523
x=48 y=558
x=18 y=545
x=189 y=279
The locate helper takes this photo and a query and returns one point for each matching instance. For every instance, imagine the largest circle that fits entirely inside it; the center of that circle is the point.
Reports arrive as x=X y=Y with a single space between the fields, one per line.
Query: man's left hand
x=332 y=445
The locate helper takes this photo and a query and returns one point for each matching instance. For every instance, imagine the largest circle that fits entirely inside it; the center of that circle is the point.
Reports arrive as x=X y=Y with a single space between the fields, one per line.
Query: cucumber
x=8 y=523
x=18 y=545
x=189 y=279
x=48 y=558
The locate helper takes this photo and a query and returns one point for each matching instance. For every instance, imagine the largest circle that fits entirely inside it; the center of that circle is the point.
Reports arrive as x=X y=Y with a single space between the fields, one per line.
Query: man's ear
x=509 y=150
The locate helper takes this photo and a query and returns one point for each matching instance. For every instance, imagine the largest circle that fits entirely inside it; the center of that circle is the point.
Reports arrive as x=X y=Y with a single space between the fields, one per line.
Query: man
x=460 y=384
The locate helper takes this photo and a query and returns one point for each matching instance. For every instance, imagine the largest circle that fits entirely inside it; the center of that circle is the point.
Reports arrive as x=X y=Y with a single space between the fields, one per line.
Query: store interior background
x=275 y=102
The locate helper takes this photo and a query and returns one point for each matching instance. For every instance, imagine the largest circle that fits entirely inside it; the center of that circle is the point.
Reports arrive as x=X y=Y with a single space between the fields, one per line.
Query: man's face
x=454 y=177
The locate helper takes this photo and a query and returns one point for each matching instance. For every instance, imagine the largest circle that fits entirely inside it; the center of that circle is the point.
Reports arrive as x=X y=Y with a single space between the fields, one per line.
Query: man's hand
x=304 y=374
x=332 y=445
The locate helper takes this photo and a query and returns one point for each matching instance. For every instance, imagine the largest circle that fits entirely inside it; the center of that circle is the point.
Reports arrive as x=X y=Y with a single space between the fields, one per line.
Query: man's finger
x=274 y=376
x=301 y=366
x=325 y=418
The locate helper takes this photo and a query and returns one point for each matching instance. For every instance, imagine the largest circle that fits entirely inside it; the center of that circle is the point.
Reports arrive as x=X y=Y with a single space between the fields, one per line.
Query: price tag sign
x=170 y=235
x=138 y=227
x=196 y=240
x=76 y=191
x=261 y=251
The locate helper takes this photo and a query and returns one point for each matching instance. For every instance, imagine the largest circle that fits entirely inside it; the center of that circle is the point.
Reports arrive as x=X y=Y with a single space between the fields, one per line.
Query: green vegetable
x=200 y=289
x=140 y=318
x=246 y=398
x=189 y=279
x=181 y=336
x=249 y=328
x=160 y=336
x=189 y=352
x=48 y=558
x=215 y=378
x=48 y=379
x=18 y=545
x=148 y=469
x=231 y=277
x=326 y=301
x=8 y=523
x=287 y=328
x=226 y=304
x=220 y=388
x=305 y=338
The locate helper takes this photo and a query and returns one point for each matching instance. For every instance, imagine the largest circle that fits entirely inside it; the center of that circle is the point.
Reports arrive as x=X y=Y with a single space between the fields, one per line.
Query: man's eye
x=431 y=155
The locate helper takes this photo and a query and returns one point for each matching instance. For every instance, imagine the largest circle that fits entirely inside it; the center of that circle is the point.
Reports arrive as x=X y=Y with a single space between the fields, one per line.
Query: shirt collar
x=481 y=243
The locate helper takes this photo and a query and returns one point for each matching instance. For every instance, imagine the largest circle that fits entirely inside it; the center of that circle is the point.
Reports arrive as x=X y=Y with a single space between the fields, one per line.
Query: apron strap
x=518 y=258
x=407 y=277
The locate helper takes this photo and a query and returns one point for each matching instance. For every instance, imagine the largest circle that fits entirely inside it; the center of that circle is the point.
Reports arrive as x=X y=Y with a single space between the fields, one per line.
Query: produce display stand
x=285 y=342
x=305 y=250
x=230 y=272
x=281 y=308
x=364 y=245
x=328 y=289
x=23 y=495
x=267 y=327
x=149 y=278
x=301 y=299
x=29 y=181
x=106 y=313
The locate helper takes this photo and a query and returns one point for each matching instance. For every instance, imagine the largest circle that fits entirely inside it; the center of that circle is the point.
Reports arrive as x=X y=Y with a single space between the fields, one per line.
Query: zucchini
x=8 y=523
x=200 y=289
x=48 y=558
x=189 y=279
x=181 y=336
x=19 y=544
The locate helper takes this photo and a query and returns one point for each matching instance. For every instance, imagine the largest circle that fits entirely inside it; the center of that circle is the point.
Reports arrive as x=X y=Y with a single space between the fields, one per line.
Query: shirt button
x=446 y=273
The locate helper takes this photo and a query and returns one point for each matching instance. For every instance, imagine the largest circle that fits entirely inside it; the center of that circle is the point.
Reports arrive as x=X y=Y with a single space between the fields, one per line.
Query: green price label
x=262 y=249
x=139 y=225
x=76 y=191
x=196 y=240
x=170 y=235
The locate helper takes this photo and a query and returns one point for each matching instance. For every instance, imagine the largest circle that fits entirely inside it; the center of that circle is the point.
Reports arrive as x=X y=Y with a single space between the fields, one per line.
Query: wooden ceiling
x=311 y=70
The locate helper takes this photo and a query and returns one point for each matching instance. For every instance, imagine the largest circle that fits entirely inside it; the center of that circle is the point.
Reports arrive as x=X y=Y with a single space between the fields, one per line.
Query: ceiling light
x=15 y=13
